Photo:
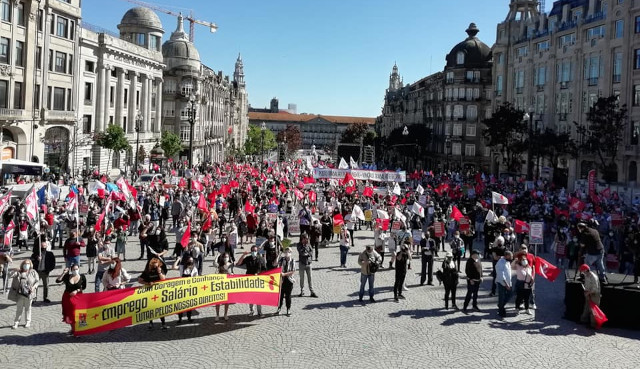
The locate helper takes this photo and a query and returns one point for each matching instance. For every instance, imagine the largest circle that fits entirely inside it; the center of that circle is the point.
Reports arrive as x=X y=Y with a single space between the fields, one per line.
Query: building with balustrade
x=39 y=69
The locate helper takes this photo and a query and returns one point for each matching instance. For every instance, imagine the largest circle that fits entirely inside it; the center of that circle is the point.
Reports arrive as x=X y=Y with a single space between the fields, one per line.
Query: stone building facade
x=557 y=65
x=39 y=53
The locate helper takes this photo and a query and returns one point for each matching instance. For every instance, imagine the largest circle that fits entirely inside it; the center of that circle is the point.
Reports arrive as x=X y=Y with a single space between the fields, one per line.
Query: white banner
x=372 y=175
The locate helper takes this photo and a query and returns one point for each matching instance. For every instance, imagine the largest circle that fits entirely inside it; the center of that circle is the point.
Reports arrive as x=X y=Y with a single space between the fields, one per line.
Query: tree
x=505 y=132
x=253 y=145
x=170 y=143
x=142 y=153
x=553 y=146
x=601 y=136
x=356 y=131
x=294 y=138
x=113 y=139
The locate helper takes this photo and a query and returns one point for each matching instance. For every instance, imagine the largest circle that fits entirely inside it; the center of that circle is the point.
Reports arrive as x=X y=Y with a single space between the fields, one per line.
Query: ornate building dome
x=470 y=53
x=179 y=52
x=141 y=18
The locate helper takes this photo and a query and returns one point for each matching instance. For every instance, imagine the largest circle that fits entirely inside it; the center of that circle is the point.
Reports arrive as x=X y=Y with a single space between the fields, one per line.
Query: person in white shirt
x=115 y=276
x=503 y=281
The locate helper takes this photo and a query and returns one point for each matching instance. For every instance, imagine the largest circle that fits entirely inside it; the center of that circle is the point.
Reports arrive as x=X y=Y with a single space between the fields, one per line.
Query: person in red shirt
x=72 y=248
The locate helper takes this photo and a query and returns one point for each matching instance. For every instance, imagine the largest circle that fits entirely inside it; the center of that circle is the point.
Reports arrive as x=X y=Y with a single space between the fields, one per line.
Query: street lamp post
x=529 y=116
x=263 y=127
x=191 y=107
x=139 y=118
x=447 y=148
x=405 y=133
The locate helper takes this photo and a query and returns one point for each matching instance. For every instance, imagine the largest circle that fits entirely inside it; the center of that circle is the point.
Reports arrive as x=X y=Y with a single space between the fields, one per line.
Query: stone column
x=144 y=81
x=159 y=106
x=100 y=96
x=147 y=100
x=107 y=94
x=120 y=99
x=132 y=101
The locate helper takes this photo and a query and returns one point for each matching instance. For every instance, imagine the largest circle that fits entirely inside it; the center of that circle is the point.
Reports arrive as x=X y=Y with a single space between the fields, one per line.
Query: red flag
x=521 y=227
x=184 y=241
x=274 y=200
x=598 y=315
x=383 y=223
x=338 y=220
x=442 y=188
x=248 y=207
x=207 y=224
x=225 y=190
x=8 y=233
x=196 y=185
x=307 y=180
x=606 y=193
x=559 y=212
x=546 y=269
x=348 y=180
x=350 y=190
x=576 y=205
x=456 y=214
x=31 y=203
x=263 y=177
x=98 y=226
x=202 y=203
x=283 y=188
x=298 y=194
x=312 y=196
x=182 y=183
x=234 y=184
x=368 y=192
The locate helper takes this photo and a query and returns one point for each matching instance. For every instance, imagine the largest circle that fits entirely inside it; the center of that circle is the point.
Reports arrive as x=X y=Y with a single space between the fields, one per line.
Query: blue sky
x=329 y=57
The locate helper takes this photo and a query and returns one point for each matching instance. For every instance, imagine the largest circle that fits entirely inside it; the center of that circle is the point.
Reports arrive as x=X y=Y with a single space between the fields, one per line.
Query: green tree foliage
x=294 y=138
x=170 y=143
x=602 y=135
x=505 y=133
x=112 y=139
x=358 y=130
x=253 y=145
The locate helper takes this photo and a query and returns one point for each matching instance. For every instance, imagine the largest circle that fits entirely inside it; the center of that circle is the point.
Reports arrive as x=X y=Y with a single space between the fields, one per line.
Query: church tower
x=395 y=82
x=238 y=74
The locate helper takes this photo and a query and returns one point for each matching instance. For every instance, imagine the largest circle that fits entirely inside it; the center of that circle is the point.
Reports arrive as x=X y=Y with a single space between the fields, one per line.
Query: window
x=61 y=62
x=500 y=59
x=449 y=77
x=455 y=148
x=5 y=10
x=460 y=58
x=472 y=112
x=36 y=97
x=17 y=95
x=473 y=76
x=592 y=69
x=40 y=19
x=4 y=50
x=186 y=88
x=519 y=81
x=39 y=57
x=184 y=132
x=58 y=98
x=636 y=95
x=153 y=101
x=88 y=92
x=19 y=55
x=522 y=51
x=154 y=43
x=137 y=99
x=89 y=66
x=126 y=97
x=594 y=32
x=140 y=39
x=168 y=109
x=566 y=40
x=62 y=27
x=457 y=130
x=111 y=96
x=564 y=71
x=69 y=99
x=637 y=25
x=542 y=46
x=540 y=78
x=471 y=130
x=20 y=14
x=4 y=95
x=619 y=28
x=499 y=85
x=86 y=124
x=169 y=86
x=617 y=67
x=470 y=150
x=458 y=111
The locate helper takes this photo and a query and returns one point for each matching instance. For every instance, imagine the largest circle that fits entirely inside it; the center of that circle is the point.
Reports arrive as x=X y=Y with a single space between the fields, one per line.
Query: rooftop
x=288 y=117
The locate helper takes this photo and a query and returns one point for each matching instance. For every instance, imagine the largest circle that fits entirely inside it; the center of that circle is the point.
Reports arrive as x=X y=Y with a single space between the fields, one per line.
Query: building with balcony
x=555 y=66
x=38 y=76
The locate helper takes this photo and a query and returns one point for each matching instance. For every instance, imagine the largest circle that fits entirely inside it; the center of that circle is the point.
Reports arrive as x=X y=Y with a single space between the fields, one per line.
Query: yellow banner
x=103 y=311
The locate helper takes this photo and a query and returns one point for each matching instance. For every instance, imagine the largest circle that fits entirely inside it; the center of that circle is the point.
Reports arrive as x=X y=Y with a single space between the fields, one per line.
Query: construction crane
x=192 y=21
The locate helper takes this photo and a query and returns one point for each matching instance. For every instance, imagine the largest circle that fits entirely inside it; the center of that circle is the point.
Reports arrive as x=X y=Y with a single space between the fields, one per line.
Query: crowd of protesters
x=238 y=214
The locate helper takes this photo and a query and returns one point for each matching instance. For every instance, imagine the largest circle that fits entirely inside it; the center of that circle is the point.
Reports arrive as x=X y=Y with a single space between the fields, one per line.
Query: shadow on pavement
x=336 y=304
x=419 y=314
x=138 y=333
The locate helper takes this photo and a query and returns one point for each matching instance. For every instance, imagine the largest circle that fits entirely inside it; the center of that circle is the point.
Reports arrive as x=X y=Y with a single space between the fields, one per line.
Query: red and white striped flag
x=8 y=234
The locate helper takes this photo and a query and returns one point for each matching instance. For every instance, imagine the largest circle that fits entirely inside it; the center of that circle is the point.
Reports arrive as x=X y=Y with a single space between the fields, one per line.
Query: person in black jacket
x=403 y=262
x=450 y=280
x=428 y=249
x=473 y=270
x=43 y=262
x=255 y=264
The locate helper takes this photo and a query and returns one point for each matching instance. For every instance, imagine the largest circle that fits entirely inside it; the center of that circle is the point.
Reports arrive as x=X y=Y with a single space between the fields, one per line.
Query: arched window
x=460 y=58
x=633 y=171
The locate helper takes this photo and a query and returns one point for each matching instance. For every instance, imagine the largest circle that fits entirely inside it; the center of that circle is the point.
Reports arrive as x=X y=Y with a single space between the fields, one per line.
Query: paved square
x=333 y=330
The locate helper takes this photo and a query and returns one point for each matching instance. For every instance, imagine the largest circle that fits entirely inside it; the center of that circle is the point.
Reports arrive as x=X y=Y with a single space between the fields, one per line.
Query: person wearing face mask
x=288 y=266
x=23 y=291
x=189 y=270
x=473 y=271
x=158 y=245
x=503 y=281
x=270 y=249
x=72 y=247
x=305 y=252
x=153 y=273
x=573 y=248
x=524 y=282
x=450 y=280
x=366 y=260
x=225 y=266
x=74 y=283
x=403 y=262
x=255 y=264
x=591 y=287
x=115 y=276
x=44 y=261
x=105 y=258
